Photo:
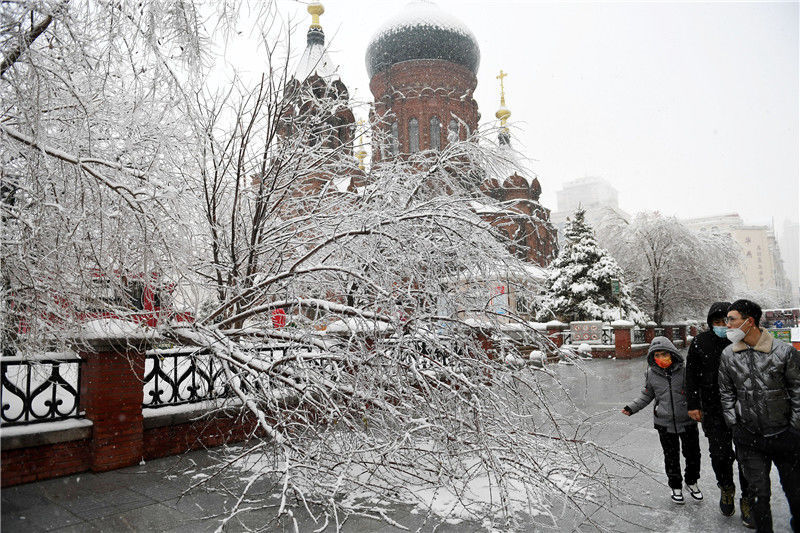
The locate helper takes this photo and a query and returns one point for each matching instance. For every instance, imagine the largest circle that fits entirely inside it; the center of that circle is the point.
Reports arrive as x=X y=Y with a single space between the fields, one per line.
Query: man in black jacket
x=702 y=389
x=759 y=388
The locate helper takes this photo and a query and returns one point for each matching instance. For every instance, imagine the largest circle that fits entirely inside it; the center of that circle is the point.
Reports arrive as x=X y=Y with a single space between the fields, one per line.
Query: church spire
x=315 y=34
x=503 y=113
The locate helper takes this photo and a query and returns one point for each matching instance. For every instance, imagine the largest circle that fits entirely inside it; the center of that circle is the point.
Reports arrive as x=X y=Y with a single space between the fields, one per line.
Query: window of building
x=413 y=135
x=436 y=133
x=395 y=139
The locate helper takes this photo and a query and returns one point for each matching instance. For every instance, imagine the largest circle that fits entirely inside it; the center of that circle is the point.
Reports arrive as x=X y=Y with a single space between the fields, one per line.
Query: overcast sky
x=686 y=108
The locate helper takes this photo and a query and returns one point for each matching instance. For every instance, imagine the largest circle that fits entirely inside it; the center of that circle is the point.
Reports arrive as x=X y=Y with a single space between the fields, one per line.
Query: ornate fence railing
x=607 y=337
x=180 y=376
x=42 y=389
x=188 y=375
x=638 y=336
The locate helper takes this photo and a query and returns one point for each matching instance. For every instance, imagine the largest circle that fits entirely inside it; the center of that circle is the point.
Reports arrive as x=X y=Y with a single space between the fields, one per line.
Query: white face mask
x=736 y=335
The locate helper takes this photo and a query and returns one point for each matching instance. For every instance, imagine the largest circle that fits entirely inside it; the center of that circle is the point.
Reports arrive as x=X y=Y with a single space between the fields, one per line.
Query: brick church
x=423 y=67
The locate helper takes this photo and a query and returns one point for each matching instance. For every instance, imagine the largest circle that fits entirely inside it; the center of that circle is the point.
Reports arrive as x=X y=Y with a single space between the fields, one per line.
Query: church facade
x=423 y=69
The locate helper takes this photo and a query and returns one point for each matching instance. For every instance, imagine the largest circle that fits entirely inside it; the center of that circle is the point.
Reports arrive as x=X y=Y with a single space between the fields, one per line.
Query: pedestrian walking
x=664 y=382
x=759 y=380
x=702 y=389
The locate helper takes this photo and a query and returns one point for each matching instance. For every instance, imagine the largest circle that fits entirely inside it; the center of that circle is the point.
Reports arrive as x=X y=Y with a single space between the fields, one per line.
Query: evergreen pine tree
x=579 y=284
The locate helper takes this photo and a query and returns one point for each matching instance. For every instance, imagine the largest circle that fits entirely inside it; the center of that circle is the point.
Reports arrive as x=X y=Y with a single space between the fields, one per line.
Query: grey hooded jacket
x=760 y=385
x=667 y=388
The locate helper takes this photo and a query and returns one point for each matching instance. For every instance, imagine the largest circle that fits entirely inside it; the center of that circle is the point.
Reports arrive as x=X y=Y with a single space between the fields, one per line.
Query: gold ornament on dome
x=315 y=9
x=503 y=113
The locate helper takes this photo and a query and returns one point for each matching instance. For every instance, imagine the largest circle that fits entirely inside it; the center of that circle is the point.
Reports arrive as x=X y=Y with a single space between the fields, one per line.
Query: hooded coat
x=667 y=387
x=702 y=366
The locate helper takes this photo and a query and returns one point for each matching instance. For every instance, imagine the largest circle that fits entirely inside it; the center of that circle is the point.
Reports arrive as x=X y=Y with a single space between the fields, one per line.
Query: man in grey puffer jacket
x=759 y=381
x=665 y=382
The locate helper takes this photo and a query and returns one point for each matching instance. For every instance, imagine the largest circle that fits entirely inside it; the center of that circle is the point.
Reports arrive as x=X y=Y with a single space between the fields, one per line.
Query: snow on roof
x=341 y=184
x=356 y=324
x=510 y=161
x=480 y=207
x=422 y=13
x=315 y=60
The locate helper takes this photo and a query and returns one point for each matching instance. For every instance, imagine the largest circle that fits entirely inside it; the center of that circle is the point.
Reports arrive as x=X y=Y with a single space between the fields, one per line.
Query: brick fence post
x=623 y=332
x=682 y=332
x=112 y=375
x=649 y=332
x=668 y=331
x=554 y=329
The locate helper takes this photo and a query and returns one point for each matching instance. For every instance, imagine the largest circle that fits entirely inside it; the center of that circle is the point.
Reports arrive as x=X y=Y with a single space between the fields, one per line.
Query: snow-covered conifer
x=579 y=285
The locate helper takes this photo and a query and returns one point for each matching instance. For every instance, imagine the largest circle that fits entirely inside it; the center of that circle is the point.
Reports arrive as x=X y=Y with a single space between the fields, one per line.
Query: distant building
x=790 y=249
x=761 y=261
x=595 y=195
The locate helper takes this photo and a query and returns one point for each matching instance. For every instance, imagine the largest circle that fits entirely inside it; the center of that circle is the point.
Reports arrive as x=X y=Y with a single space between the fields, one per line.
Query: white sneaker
x=694 y=492
x=677 y=496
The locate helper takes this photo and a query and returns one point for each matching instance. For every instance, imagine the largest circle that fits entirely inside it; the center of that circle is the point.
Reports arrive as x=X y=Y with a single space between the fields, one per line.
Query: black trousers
x=756 y=454
x=690 y=446
x=720 y=448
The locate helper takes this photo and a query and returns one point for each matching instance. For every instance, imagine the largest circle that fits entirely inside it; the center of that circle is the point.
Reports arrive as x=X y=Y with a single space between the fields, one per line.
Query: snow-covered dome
x=422 y=31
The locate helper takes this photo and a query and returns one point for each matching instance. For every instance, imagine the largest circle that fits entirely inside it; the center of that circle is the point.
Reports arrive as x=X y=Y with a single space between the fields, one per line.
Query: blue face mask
x=721 y=331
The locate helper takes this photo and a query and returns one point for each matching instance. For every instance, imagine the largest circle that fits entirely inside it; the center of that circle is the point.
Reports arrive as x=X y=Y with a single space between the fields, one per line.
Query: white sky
x=686 y=108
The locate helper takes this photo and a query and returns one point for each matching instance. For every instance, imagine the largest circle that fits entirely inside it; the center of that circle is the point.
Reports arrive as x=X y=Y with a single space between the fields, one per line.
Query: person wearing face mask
x=759 y=381
x=702 y=389
x=664 y=382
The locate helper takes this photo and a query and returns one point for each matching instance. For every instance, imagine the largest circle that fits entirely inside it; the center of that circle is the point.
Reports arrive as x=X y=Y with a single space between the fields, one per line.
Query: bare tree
x=398 y=382
x=673 y=271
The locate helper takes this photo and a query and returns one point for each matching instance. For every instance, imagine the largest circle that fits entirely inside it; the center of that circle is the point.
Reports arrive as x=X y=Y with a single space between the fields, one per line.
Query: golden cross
x=500 y=77
x=502 y=89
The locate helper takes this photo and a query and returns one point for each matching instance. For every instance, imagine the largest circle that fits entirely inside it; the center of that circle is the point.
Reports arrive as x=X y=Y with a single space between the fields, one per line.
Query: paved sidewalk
x=153 y=497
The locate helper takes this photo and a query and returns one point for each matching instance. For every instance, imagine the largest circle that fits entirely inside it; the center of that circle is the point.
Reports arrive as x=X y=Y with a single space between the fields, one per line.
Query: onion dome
x=422 y=31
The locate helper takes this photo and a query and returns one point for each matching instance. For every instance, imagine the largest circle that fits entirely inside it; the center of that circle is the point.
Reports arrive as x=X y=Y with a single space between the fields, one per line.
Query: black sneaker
x=726 y=500
x=677 y=496
x=747 y=516
x=694 y=491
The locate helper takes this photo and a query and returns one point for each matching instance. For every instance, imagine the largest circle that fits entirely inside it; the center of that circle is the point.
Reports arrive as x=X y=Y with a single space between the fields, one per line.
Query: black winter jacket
x=702 y=367
x=760 y=386
x=702 y=373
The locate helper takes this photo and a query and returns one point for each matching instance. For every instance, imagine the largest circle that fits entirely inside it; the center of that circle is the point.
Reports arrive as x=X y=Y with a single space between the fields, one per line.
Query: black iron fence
x=179 y=376
x=42 y=389
x=188 y=375
x=638 y=336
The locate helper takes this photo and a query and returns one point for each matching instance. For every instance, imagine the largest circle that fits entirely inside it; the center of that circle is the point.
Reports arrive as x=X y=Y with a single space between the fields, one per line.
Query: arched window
x=436 y=134
x=395 y=139
x=413 y=135
x=452 y=131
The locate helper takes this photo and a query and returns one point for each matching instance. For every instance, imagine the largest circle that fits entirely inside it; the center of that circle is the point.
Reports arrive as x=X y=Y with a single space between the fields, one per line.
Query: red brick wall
x=423 y=89
x=36 y=463
x=175 y=439
x=24 y=465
